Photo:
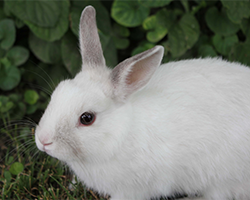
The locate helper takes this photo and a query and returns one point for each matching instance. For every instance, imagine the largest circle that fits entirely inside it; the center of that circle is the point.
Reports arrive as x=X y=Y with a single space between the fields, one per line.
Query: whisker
x=48 y=92
x=17 y=149
x=44 y=72
x=17 y=139
x=17 y=122
x=12 y=133
x=37 y=152
x=31 y=120
x=29 y=145
x=42 y=78
x=12 y=129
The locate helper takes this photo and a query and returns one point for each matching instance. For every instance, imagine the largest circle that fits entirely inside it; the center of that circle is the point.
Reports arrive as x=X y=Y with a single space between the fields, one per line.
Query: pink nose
x=45 y=141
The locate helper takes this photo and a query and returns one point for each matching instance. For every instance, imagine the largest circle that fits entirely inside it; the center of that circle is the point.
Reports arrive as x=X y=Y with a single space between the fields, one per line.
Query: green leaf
x=48 y=52
x=224 y=44
x=19 y=111
x=56 y=32
x=19 y=23
x=185 y=5
x=31 y=97
x=157 y=32
x=17 y=55
x=7 y=33
x=6 y=106
x=241 y=53
x=207 y=2
x=3 y=101
x=70 y=53
x=183 y=35
x=176 y=42
x=40 y=13
x=7 y=176
x=121 y=30
x=121 y=43
x=9 y=77
x=237 y=10
x=119 y=33
x=142 y=47
x=75 y=14
x=31 y=109
x=245 y=27
x=129 y=13
x=219 y=23
x=6 y=62
x=16 y=109
x=159 y=24
x=110 y=53
x=16 y=168
x=10 y=160
x=191 y=29
x=2 y=15
x=154 y=3
x=166 y=18
x=206 y=51
x=2 y=53
x=9 y=105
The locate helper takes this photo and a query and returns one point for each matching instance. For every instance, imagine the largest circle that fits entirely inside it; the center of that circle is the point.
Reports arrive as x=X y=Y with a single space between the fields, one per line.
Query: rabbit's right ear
x=134 y=73
x=90 y=45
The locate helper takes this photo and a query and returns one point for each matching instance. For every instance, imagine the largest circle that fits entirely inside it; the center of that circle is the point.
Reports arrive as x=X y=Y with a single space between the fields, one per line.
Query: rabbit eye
x=87 y=118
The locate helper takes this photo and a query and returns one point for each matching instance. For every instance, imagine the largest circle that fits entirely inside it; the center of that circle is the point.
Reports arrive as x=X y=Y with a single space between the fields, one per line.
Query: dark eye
x=87 y=118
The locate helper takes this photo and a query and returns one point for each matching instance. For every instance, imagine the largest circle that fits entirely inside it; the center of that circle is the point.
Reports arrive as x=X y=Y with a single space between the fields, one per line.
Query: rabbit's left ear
x=134 y=73
x=90 y=45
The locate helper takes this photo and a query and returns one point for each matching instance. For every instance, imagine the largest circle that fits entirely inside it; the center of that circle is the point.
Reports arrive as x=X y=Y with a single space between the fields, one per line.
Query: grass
x=27 y=173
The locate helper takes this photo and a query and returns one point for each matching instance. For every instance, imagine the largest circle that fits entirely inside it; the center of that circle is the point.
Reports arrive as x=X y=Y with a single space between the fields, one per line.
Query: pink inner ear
x=135 y=72
x=140 y=72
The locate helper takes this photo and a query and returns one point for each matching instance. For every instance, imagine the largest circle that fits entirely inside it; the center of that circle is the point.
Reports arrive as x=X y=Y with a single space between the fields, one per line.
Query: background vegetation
x=39 y=47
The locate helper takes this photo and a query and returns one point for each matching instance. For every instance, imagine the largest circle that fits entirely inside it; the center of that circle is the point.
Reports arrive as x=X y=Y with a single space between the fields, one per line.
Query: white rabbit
x=142 y=130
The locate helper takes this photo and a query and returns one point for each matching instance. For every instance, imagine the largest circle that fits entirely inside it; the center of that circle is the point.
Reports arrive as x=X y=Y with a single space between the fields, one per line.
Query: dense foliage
x=39 y=46
x=40 y=37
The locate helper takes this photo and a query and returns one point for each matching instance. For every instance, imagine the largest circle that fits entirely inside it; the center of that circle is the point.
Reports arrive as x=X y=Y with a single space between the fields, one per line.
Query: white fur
x=187 y=130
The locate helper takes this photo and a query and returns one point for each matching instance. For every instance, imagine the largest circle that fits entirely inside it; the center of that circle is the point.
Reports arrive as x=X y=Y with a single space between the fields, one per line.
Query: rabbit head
x=88 y=116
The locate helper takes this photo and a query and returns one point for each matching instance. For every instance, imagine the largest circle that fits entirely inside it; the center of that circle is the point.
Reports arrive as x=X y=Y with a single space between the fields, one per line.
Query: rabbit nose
x=45 y=141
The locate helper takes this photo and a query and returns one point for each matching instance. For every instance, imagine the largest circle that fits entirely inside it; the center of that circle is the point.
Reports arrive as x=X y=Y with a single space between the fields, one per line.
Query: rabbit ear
x=135 y=72
x=90 y=45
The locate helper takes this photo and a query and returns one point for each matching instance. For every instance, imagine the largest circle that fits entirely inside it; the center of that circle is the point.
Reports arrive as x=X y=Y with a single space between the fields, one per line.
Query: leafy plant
x=39 y=47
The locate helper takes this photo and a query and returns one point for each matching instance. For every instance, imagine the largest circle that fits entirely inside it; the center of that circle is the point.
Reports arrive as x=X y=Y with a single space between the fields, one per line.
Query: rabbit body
x=187 y=131
x=184 y=129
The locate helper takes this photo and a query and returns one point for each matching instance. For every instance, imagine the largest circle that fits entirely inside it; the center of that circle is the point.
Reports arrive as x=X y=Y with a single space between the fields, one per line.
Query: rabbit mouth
x=46 y=148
